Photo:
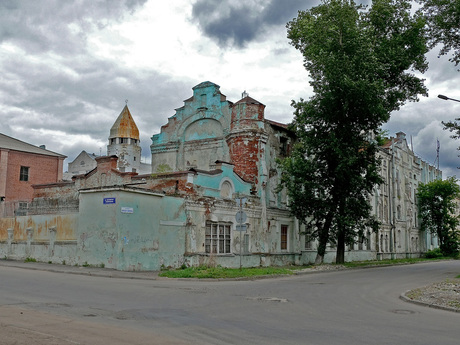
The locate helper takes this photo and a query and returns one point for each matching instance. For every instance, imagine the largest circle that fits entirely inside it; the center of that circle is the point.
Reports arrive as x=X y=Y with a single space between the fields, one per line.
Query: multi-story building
x=395 y=202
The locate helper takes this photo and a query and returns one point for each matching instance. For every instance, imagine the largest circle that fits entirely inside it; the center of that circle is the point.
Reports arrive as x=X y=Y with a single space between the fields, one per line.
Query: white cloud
x=65 y=77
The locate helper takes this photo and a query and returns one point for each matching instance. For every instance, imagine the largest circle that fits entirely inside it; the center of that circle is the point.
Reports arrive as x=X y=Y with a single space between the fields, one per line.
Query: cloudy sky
x=67 y=68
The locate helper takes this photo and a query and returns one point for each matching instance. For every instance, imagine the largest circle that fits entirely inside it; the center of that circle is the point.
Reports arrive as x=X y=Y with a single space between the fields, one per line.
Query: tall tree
x=437 y=212
x=443 y=19
x=358 y=60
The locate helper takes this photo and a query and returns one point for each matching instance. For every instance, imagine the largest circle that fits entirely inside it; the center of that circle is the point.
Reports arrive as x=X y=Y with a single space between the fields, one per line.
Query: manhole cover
x=403 y=311
x=268 y=299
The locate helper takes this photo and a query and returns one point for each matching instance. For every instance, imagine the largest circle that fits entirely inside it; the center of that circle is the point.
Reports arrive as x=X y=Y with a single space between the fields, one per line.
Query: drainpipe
x=393 y=203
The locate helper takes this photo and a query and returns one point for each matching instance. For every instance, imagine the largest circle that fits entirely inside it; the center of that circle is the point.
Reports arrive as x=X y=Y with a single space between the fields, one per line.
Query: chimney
x=106 y=163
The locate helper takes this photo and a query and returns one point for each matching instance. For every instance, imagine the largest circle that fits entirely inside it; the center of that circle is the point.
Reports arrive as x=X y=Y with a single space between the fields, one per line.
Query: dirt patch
x=444 y=294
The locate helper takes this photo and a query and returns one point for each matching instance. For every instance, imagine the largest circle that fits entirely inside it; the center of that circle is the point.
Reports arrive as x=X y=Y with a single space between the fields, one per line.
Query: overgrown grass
x=391 y=262
x=29 y=259
x=221 y=272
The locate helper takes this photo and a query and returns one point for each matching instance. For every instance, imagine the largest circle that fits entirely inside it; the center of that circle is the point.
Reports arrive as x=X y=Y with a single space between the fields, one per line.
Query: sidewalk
x=89 y=271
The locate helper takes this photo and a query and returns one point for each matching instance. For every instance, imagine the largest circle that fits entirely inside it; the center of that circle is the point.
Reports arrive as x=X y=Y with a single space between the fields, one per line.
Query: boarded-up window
x=217 y=238
x=284 y=237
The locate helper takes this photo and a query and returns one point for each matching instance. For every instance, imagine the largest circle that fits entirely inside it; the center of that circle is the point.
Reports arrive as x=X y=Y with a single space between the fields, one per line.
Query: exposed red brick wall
x=170 y=185
x=42 y=169
x=245 y=116
x=244 y=154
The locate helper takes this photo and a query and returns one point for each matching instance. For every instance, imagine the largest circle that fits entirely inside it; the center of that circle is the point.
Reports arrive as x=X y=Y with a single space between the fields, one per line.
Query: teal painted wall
x=138 y=231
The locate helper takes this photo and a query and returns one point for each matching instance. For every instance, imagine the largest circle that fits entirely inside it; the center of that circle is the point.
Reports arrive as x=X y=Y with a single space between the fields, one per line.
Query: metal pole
x=241 y=232
x=448 y=98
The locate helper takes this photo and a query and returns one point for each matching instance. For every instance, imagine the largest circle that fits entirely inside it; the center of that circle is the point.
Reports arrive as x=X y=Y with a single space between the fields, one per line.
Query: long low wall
x=46 y=238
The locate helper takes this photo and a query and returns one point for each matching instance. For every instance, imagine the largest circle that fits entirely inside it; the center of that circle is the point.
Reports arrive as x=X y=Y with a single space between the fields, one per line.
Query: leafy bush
x=433 y=254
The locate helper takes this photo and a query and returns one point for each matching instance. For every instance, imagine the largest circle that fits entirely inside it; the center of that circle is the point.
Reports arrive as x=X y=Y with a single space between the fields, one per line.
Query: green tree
x=358 y=60
x=437 y=212
x=454 y=127
x=443 y=19
x=443 y=29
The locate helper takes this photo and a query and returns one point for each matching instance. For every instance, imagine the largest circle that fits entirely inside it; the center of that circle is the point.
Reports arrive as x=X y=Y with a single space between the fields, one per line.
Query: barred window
x=246 y=243
x=217 y=237
x=284 y=237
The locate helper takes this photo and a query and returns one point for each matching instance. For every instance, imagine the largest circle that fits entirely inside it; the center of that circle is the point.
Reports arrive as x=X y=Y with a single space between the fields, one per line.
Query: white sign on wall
x=127 y=210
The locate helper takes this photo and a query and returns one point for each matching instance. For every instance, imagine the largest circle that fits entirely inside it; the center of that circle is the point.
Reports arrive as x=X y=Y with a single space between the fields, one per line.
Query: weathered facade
x=212 y=160
x=395 y=201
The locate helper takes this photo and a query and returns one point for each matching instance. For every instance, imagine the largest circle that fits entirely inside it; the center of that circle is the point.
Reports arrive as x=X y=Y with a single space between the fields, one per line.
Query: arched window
x=226 y=190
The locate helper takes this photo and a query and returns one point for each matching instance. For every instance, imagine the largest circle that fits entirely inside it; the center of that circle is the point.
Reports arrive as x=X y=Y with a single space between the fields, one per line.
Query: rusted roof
x=124 y=126
x=277 y=124
x=249 y=100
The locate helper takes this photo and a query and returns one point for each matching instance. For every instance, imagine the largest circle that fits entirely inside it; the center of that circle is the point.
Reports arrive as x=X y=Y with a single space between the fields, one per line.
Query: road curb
x=78 y=270
x=424 y=304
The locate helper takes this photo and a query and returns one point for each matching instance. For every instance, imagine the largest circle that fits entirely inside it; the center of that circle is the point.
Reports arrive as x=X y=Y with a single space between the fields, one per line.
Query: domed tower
x=124 y=142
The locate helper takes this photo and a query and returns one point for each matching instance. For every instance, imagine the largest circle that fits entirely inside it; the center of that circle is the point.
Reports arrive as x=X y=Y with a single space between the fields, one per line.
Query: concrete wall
x=46 y=238
x=133 y=231
x=138 y=231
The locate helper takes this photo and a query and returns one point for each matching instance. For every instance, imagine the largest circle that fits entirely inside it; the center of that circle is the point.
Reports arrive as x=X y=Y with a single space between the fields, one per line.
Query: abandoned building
x=210 y=197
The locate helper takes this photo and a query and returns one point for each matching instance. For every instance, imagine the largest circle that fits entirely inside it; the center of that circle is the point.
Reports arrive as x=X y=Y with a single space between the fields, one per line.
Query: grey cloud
x=54 y=25
x=84 y=98
x=237 y=23
x=422 y=124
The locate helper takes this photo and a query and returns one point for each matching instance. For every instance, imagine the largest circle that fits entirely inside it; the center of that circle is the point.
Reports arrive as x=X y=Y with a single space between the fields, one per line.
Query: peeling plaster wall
x=264 y=247
x=136 y=232
x=195 y=135
x=46 y=238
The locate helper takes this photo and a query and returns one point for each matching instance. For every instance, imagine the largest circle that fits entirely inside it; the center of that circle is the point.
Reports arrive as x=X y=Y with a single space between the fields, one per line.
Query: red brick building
x=23 y=165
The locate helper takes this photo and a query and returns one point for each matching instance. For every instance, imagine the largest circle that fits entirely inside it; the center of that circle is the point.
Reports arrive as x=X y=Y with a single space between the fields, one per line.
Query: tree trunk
x=340 y=254
x=319 y=259
x=323 y=238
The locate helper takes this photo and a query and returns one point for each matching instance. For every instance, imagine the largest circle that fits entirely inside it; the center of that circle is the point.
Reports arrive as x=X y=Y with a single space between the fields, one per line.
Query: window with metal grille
x=24 y=174
x=284 y=237
x=246 y=243
x=217 y=237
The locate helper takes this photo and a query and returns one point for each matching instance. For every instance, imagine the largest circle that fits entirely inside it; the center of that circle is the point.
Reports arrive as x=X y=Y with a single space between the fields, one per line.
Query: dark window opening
x=284 y=146
x=24 y=174
x=284 y=237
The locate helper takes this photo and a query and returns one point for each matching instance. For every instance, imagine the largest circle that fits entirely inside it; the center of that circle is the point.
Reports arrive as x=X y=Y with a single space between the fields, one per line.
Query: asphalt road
x=360 y=306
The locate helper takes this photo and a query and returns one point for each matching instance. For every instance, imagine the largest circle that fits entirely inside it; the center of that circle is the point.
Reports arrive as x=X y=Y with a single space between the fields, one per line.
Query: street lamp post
x=448 y=98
